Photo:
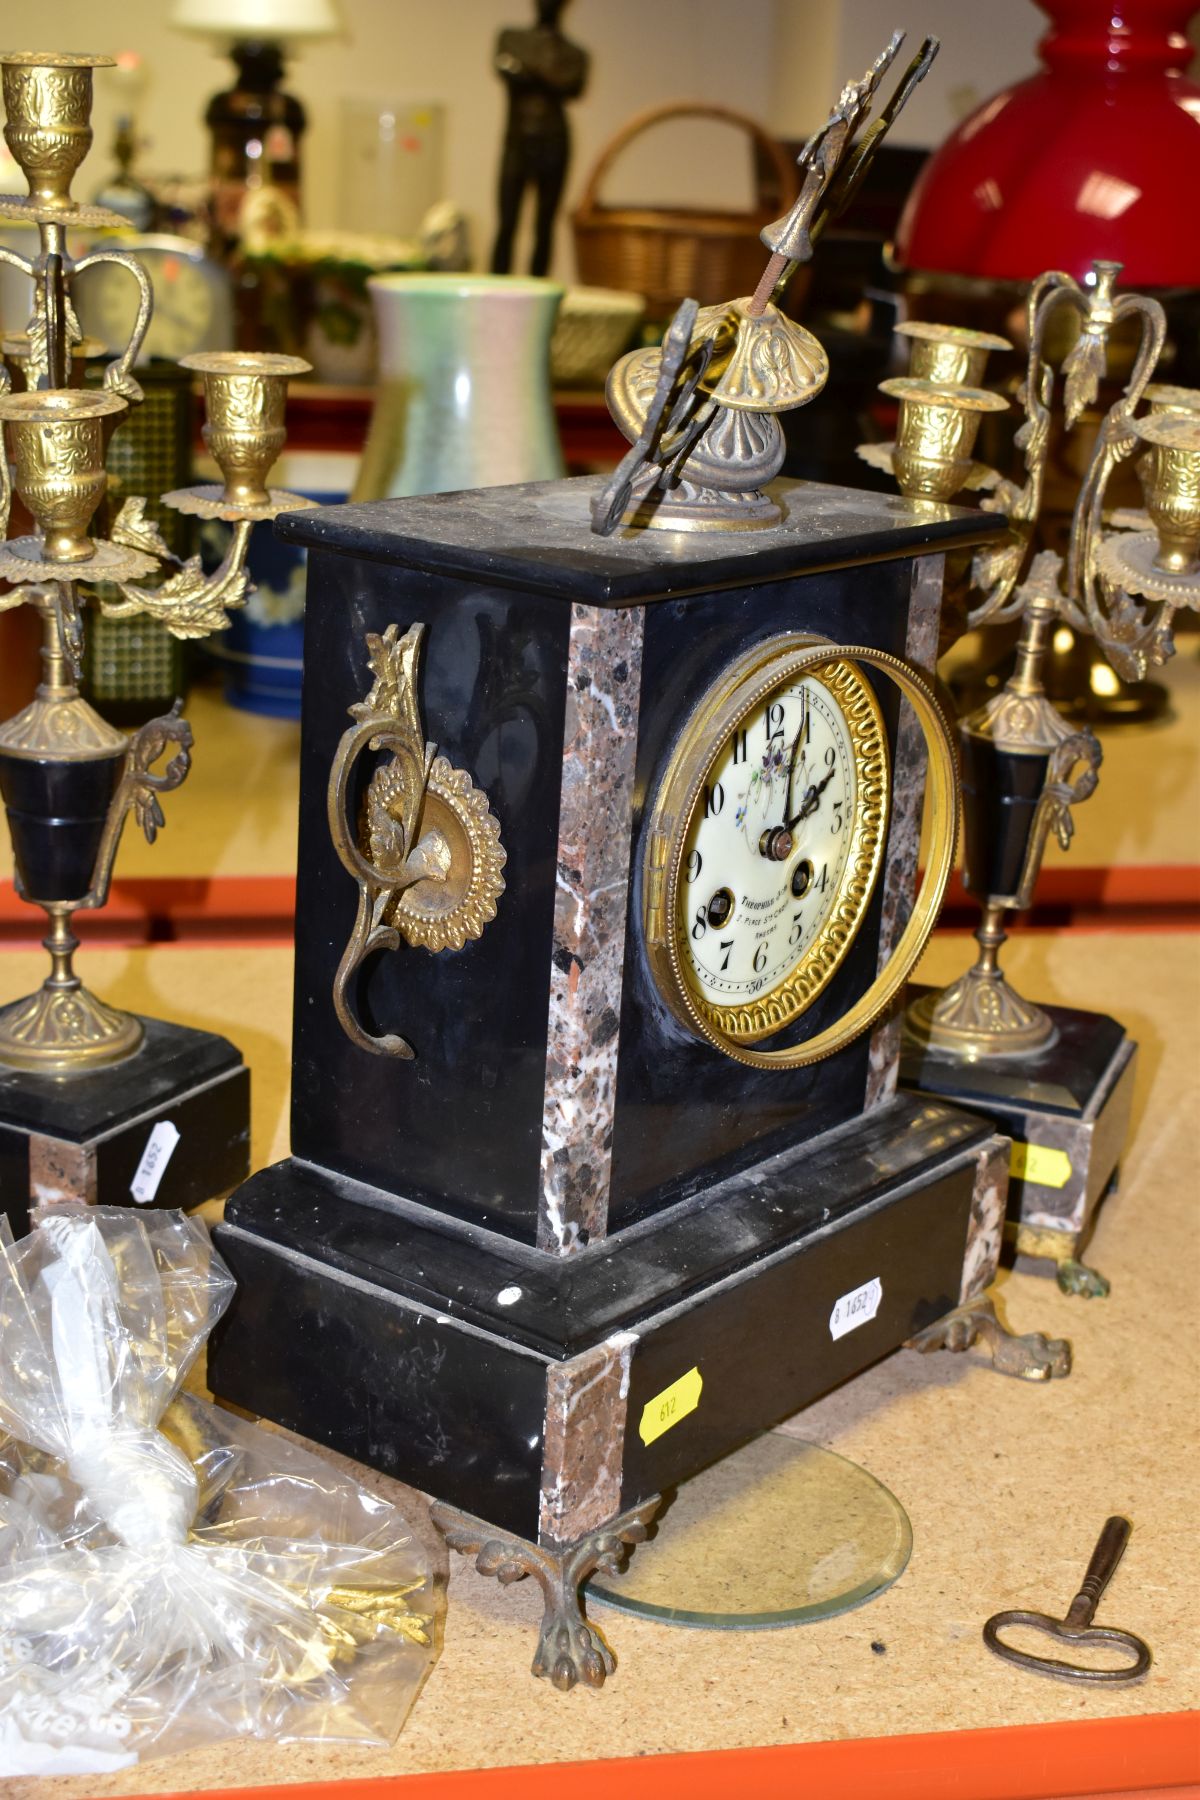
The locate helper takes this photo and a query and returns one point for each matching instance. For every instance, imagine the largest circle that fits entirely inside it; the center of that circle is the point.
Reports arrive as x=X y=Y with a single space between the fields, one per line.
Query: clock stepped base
x=1066 y=1108
x=553 y=1399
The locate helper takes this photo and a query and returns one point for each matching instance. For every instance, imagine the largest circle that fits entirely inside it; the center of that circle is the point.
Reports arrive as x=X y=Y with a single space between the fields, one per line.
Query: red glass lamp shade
x=1097 y=156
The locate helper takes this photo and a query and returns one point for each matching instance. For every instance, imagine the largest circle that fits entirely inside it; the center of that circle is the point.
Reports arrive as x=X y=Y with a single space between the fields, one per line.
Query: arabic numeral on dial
x=760 y=959
x=726 y=945
x=830 y=757
x=714 y=799
x=797 y=928
x=773 y=720
x=740 y=754
x=824 y=881
x=837 y=821
x=700 y=924
x=695 y=863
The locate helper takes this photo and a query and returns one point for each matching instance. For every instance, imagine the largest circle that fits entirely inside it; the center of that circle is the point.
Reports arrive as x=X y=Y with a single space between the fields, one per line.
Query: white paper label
x=160 y=1147
x=855 y=1308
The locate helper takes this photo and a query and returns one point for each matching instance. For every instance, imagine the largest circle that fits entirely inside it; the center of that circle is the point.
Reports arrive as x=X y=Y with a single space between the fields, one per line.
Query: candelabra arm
x=996 y=572
x=24 y=263
x=191 y=604
x=1115 y=441
x=138 y=792
x=118 y=376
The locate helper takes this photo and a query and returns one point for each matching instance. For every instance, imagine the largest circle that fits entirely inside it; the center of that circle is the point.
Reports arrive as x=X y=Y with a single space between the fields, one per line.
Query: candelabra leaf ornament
x=68 y=779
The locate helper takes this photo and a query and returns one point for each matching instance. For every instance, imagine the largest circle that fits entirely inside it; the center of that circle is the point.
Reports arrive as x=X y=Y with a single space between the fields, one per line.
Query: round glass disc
x=780 y=1533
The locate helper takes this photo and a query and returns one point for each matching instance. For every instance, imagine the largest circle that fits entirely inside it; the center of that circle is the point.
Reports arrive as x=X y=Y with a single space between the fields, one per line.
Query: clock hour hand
x=791 y=775
x=776 y=842
x=811 y=801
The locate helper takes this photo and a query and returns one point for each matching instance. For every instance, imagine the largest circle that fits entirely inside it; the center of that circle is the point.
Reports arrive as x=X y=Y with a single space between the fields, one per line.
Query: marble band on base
x=604 y=675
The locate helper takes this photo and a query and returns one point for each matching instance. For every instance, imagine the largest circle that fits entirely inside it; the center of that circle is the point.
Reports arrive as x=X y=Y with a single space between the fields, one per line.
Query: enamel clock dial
x=783 y=852
x=766 y=845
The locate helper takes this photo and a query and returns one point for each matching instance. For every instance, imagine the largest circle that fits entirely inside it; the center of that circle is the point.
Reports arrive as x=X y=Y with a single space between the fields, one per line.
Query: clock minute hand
x=810 y=802
x=791 y=775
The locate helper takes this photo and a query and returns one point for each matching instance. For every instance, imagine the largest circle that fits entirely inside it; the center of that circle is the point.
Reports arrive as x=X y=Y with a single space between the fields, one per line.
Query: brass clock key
x=1077 y=1628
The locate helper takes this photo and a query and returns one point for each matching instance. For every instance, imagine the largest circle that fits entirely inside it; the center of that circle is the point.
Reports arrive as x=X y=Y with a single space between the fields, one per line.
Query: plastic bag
x=169 y=1574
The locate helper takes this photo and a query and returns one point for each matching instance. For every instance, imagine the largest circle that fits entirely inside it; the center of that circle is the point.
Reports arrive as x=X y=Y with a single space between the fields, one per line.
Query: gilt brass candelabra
x=1024 y=767
x=68 y=779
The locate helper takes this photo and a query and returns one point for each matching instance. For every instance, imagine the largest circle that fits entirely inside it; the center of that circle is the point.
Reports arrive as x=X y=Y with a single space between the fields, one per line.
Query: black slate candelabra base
x=107 y=1137
x=1066 y=1108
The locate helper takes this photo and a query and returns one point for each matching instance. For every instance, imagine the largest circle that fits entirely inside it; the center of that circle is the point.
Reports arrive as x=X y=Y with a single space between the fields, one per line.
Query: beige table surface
x=1007 y=1483
x=236 y=813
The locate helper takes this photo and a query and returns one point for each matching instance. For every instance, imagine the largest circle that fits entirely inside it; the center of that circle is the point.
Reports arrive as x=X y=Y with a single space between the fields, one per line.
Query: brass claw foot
x=1075 y=1277
x=1033 y=1357
x=568 y=1649
x=1060 y=1248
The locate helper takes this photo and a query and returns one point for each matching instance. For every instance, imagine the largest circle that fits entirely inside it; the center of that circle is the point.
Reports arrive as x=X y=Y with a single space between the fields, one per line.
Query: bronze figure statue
x=543 y=69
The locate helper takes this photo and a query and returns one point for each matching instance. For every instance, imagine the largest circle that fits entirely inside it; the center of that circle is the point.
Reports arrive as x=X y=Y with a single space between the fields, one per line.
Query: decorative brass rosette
x=441 y=913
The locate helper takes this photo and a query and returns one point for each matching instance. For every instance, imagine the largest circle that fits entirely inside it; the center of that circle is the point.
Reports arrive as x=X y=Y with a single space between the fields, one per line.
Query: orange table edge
x=1149 y=1753
x=147 y=909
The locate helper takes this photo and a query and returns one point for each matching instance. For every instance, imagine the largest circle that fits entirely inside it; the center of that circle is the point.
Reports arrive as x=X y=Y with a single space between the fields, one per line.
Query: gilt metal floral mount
x=422 y=842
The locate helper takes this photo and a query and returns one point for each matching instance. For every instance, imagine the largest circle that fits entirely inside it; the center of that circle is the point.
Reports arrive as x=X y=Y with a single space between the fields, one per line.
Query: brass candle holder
x=1166 y=397
x=949 y=353
x=1170 y=473
x=48 y=109
x=936 y=429
x=245 y=398
x=68 y=779
x=58 y=451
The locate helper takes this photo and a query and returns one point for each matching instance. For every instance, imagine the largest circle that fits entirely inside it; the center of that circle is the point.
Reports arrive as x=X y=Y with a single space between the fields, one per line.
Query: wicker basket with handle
x=666 y=253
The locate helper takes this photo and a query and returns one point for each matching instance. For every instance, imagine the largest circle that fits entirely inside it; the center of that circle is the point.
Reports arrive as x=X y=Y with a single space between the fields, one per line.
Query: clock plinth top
x=538 y=536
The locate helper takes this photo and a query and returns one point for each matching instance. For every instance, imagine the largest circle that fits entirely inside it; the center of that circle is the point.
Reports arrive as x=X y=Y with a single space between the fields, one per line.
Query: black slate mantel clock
x=607 y=896
x=607 y=862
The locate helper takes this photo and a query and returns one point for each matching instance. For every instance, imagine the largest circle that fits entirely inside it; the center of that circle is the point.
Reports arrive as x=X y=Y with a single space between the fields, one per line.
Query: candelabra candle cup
x=245 y=396
x=948 y=353
x=58 y=438
x=48 y=110
x=935 y=434
x=1164 y=397
x=1170 y=477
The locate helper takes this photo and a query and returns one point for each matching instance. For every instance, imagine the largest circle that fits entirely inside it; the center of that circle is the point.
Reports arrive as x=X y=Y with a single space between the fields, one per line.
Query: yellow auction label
x=1041 y=1163
x=674 y=1403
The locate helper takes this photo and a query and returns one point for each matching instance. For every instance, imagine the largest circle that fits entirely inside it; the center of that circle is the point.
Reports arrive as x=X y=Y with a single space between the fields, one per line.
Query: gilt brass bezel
x=739 y=691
